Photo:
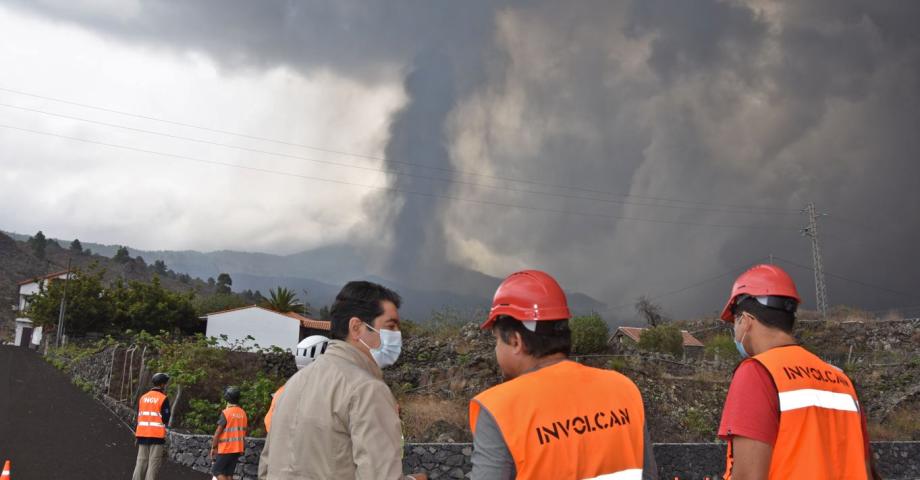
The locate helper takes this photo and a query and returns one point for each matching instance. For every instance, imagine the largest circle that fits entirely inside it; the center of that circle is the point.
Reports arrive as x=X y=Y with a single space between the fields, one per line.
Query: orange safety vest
x=271 y=409
x=820 y=433
x=232 y=439
x=569 y=421
x=149 y=421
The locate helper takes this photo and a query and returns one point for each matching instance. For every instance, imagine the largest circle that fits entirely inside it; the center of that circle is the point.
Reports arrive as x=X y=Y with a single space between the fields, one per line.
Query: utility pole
x=63 y=308
x=811 y=231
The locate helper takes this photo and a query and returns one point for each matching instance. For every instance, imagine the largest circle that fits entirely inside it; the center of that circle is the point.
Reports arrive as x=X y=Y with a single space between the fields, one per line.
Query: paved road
x=50 y=429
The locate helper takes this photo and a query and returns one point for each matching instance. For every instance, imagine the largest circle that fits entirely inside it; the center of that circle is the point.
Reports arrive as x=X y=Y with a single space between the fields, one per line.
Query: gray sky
x=654 y=144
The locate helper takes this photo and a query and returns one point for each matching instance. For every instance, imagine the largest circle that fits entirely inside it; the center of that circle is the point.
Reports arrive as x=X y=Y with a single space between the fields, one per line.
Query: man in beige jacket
x=336 y=418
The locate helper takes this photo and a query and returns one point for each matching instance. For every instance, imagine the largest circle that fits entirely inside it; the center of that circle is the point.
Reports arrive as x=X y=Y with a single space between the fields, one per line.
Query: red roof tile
x=44 y=277
x=634 y=333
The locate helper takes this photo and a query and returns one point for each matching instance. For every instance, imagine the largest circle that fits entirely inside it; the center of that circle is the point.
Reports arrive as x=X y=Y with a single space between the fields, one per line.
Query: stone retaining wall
x=895 y=460
x=686 y=461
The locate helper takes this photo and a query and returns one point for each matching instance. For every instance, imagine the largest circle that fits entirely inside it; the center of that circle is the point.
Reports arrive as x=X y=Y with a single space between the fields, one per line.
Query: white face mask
x=390 y=347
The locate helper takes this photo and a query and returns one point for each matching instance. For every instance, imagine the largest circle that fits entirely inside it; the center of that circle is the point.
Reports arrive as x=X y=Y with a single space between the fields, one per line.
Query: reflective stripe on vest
x=271 y=409
x=568 y=422
x=232 y=439
x=820 y=430
x=632 y=474
x=149 y=420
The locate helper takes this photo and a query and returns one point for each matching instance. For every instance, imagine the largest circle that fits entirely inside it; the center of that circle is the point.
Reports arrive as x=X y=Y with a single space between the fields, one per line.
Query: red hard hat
x=530 y=295
x=761 y=280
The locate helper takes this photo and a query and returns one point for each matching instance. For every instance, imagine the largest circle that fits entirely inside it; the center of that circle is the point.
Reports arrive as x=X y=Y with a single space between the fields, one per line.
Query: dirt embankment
x=439 y=373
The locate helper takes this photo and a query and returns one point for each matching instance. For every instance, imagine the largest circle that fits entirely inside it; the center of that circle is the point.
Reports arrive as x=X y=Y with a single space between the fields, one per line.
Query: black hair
x=550 y=336
x=359 y=299
x=771 y=317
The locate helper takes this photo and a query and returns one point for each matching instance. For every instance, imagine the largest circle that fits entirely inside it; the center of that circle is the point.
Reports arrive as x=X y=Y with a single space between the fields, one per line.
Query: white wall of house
x=25 y=293
x=19 y=326
x=267 y=327
x=27 y=290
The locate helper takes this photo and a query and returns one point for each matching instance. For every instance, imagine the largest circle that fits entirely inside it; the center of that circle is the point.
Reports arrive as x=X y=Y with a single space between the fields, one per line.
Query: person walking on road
x=229 y=441
x=152 y=420
x=788 y=414
x=553 y=418
x=337 y=418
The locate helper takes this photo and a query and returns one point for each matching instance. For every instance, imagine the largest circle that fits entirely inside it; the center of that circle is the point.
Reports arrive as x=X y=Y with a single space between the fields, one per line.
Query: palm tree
x=282 y=300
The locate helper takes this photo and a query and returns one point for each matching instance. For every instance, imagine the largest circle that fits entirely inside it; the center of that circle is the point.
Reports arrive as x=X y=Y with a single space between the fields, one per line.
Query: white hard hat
x=310 y=348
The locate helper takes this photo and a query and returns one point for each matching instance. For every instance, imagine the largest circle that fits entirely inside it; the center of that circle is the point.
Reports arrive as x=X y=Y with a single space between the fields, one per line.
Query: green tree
x=122 y=255
x=223 y=283
x=589 y=333
x=89 y=308
x=76 y=246
x=205 y=304
x=38 y=244
x=663 y=339
x=324 y=313
x=722 y=346
x=159 y=267
x=282 y=300
x=252 y=298
x=141 y=306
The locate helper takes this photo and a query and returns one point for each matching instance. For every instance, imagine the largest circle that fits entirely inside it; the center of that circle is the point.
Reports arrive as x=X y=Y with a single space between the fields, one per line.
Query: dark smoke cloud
x=749 y=103
x=727 y=103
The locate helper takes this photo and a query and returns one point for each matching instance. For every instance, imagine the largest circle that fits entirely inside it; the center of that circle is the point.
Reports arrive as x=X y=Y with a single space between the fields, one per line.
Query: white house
x=26 y=332
x=267 y=327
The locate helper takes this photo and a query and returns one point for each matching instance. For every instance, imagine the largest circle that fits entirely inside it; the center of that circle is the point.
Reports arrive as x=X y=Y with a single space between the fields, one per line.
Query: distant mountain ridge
x=322 y=272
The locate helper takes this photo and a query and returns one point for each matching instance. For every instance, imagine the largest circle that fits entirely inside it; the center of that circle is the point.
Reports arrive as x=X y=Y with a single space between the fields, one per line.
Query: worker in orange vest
x=788 y=414
x=230 y=437
x=152 y=420
x=271 y=409
x=307 y=351
x=552 y=418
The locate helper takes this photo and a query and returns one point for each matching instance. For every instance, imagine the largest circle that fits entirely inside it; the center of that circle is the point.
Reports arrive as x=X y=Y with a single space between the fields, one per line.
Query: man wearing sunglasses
x=788 y=414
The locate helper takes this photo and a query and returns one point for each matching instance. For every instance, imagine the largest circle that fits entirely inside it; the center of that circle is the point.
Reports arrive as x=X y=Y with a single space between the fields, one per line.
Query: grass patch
x=421 y=414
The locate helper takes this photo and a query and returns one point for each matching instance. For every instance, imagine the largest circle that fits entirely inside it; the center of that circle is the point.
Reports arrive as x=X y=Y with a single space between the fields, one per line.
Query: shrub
x=696 y=421
x=618 y=364
x=255 y=399
x=663 y=339
x=201 y=416
x=589 y=334
x=723 y=346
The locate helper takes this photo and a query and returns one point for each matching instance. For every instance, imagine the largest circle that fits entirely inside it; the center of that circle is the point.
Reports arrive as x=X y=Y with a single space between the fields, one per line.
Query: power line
x=381 y=170
x=695 y=284
x=855 y=223
x=841 y=277
x=751 y=209
x=397 y=189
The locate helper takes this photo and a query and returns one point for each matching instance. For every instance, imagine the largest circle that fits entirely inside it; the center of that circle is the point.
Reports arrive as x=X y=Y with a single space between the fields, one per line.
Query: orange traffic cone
x=5 y=474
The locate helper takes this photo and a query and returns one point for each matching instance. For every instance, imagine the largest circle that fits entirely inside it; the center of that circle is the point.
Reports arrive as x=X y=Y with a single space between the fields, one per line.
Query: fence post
x=175 y=405
x=140 y=375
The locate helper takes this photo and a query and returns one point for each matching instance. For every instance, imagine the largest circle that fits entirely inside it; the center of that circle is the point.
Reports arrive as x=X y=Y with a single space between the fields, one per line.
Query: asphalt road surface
x=49 y=429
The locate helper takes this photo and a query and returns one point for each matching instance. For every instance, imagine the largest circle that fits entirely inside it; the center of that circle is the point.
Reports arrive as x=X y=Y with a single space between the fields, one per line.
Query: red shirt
x=752 y=407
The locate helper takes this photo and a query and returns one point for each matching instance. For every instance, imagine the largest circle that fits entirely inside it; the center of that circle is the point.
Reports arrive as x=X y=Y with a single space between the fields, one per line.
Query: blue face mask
x=739 y=345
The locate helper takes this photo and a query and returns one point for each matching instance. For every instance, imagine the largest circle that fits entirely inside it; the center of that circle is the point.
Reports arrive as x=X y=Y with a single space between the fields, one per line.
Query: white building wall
x=26 y=291
x=30 y=289
x=267 y=327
